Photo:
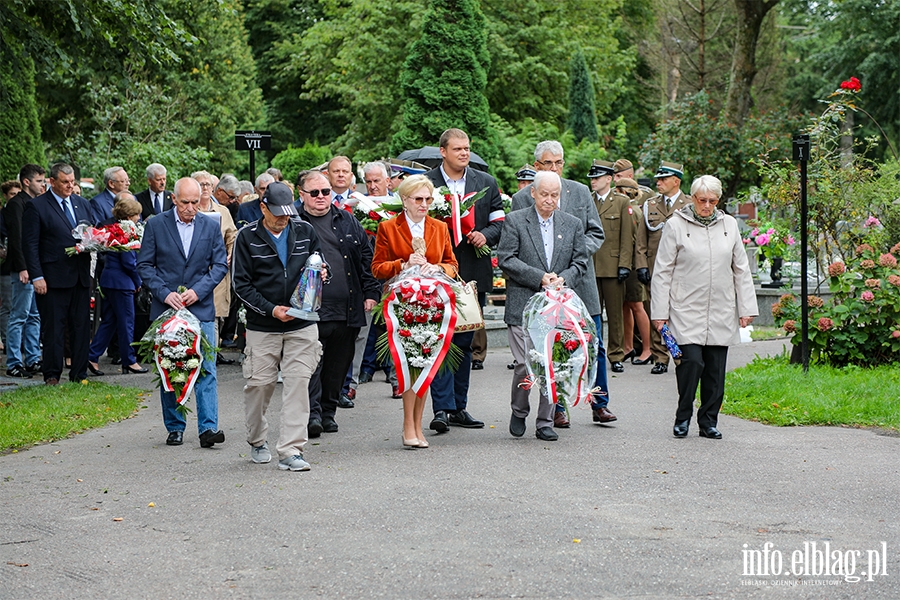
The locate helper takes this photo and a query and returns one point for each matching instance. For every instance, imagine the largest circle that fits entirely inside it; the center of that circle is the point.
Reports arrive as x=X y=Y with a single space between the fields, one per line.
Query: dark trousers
x=62 y=309
x=703 y=365
x=338 y=341
x=117 y=317
x=450 y=391
x=230 y=323
x=370 y=362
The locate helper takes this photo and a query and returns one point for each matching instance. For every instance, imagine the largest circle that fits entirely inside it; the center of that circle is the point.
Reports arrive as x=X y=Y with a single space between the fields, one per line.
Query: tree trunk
x=743 y=64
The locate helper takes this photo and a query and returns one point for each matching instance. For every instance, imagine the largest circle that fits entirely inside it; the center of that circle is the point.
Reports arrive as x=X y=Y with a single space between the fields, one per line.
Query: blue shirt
x=281 y=245
x=186 y=231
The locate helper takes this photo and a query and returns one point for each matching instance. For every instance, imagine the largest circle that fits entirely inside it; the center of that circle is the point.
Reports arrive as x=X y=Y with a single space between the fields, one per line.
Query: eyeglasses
x=552 y=163
x=421 y=199
x=231 y=197
x=207 y=184
x=711 y=201
x=121 y=180
x=315 y=193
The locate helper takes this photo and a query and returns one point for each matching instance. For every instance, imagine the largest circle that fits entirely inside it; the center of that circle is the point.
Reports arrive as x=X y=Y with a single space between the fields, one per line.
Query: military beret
x=623 y=164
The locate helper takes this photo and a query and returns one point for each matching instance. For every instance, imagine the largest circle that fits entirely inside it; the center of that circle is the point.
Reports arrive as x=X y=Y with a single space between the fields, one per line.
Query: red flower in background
x=852 y=85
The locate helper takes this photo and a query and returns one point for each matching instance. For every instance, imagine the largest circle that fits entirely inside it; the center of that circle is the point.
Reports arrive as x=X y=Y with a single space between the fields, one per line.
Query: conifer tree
x=444 y=79
x=582 y=114
x=19 y=125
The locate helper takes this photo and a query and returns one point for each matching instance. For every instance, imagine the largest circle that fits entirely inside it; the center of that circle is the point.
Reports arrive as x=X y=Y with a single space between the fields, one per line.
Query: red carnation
x=189 y=352
x=173 y=343
x=374 y=215
x=408 y=317
x=423 y=318
x=558 y=337
x=405 y=333
x=571 y=345
x=495 y=262
x=179 y=364
x=437 y=318
x=426 y=350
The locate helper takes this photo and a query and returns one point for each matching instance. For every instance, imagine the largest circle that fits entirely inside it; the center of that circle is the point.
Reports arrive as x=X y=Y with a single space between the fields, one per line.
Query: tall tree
x=19 y=125
x=444 y=79
x=582 y=115
x=750 y=16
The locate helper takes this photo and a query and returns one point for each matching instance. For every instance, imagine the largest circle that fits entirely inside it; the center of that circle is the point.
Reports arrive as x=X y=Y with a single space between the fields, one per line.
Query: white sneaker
x=293 y=463
x=260 y=454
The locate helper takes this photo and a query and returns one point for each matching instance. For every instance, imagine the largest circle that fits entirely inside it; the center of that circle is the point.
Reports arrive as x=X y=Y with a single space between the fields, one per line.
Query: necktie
x=68 y=211
x=339 y=200
x=158 y=204
x=669 y=203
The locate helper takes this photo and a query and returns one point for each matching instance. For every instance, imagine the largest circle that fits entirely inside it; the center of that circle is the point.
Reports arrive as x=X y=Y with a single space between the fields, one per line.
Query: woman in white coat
x=702 y=288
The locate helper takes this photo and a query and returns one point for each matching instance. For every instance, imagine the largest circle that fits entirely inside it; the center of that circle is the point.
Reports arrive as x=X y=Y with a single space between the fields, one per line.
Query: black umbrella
x=431 y=157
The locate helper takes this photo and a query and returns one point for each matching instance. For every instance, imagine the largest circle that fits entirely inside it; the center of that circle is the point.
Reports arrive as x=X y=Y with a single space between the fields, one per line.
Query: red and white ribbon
x=422 y=288
x=172 y=326
x=562 y=316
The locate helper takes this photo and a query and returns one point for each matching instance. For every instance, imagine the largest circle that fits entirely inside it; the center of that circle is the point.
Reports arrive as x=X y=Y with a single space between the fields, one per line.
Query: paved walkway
x=605 y=512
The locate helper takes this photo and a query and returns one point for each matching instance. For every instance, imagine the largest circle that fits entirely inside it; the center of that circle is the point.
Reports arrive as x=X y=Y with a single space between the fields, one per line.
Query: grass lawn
x=41 y=413
x=772 y=391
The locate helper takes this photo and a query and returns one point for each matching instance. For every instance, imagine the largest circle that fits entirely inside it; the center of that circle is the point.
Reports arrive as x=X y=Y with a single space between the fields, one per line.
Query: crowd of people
x=213 y=245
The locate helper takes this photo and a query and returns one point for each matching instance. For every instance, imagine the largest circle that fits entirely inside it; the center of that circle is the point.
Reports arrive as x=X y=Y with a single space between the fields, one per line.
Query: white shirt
x=456 y=186
x=416 y=229
x=546 y=236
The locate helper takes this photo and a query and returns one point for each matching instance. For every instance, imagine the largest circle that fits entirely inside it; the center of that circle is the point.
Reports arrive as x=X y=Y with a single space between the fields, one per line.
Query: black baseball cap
x=279 y=199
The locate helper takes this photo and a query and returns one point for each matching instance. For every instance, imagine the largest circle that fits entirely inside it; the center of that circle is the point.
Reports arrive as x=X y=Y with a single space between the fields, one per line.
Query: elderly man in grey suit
x=540 y=246
x=575 y=199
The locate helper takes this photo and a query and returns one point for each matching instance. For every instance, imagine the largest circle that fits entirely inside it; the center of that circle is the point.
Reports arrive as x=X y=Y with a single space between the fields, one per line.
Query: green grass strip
x=41 y=413
x=772 y=391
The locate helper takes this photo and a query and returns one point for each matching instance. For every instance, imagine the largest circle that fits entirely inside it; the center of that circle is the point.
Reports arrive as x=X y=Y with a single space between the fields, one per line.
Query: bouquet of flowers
x=176 y=345
x=116 y=237
x=371 y=211
x=561 y=346
x=772 y=239
x=420 y=314
x=458 y=212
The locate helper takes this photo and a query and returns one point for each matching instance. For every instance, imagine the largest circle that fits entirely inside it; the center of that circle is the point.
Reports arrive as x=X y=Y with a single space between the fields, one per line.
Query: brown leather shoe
x=560 y=420
x=602 y=415
x=52 y=381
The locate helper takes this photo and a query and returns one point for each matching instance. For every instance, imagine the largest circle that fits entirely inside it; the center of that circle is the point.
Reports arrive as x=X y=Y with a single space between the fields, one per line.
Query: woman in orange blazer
x=394 y=253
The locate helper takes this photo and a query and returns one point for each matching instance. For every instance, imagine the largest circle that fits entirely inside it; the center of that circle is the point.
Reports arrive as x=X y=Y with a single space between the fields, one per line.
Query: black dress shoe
x=511 y=366
x=659 y=369
x=711 y=433
x=440 y=422
x=176 y=438
x=126 y=369
x=345 y=402
x=209 y=437
x=462 y=418
x=681 y=429
x=516 y=425
x=95 y=370
x=314 y=429
x=477 y=365
x=221 y=360
x=365 y=377
x=546 y=433
x=637 y=361
x=617 y=367
x=329 y=425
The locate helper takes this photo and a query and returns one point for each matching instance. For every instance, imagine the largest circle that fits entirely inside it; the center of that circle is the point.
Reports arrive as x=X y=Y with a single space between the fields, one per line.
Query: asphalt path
x=606 y=512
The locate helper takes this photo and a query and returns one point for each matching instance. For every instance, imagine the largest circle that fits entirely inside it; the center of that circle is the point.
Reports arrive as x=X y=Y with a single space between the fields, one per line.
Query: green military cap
x=667 y=169
x=600 y=168
x=526 y=173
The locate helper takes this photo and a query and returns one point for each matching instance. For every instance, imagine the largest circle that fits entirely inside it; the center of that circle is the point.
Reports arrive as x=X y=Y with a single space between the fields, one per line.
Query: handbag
x=468 y=309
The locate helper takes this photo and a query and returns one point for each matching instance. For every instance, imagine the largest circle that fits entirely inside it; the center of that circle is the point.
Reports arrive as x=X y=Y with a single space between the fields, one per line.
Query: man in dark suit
x=62 y=282
x=575 y=199
x=540 y=246
x=449 y=391
x=115 y=180
x=184 y=248
x=155 y=199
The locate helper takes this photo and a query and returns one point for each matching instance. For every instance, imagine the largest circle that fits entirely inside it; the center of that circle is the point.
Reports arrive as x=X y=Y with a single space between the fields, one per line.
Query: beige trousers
x=297 y=353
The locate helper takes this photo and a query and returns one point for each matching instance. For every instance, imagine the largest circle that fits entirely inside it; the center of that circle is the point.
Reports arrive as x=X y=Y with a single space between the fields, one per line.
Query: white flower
x=193 y=363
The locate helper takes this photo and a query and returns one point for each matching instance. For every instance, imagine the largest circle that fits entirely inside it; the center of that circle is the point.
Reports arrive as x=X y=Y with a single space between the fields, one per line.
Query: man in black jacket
x=449 y=391
x=23 y=335
x=267 y=262
x=351 y=292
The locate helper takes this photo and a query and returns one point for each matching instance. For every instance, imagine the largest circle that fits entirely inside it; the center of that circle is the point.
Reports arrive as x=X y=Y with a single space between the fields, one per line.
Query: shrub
x=860 y=323
x=293 y=160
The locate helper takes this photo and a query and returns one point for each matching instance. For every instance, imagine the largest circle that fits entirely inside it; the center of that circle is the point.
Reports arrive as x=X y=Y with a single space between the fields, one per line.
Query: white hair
x=551 y=146
x=154 y=170
x=264 y=178
x=376 y=164
x=109 y=173
x=707 y=183
x=540 y=176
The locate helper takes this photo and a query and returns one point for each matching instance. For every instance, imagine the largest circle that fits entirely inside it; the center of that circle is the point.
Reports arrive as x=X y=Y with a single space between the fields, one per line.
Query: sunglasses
x=315 y=193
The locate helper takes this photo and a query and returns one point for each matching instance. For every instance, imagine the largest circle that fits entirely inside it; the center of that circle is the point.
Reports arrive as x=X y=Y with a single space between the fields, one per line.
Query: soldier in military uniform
x=633 y=312
x=613 y=261
x=623 y=169
x=657 y=210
